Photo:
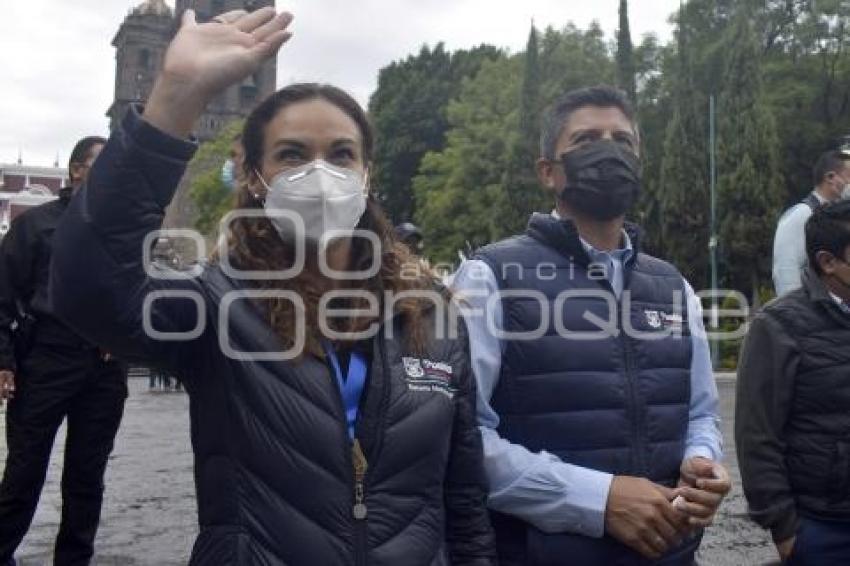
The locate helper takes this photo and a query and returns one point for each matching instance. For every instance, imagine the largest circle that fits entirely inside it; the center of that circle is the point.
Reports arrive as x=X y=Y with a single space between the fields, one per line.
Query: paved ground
x=149 y=511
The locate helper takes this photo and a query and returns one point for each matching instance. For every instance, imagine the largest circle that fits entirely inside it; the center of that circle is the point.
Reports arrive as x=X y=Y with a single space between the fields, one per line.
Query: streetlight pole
x=713 y=241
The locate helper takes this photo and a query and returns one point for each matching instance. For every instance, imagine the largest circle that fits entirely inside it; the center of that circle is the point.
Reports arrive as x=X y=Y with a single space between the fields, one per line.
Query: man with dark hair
x=48 y=374
x=410 y=235
x=792 y=423
x=597 y=402
x=832 y=183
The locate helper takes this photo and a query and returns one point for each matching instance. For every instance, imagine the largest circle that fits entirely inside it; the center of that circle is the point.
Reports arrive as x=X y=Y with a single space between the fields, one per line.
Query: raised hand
x=204 y=59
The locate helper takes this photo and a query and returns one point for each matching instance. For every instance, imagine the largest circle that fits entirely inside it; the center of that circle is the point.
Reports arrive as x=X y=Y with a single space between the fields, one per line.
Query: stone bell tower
x=140 y=45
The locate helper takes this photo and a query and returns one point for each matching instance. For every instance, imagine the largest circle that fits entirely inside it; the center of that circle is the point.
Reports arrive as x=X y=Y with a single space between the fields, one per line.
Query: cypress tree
x=520 y=180
x=750 y=182
x=684 y=194
x=625 y=54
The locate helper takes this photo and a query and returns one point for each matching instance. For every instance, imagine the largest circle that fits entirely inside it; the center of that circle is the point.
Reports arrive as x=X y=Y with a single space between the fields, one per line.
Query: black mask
x=603 y=179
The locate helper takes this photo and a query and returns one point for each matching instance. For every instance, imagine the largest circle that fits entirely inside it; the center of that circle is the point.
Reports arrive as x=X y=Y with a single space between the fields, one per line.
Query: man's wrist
x=785 y=528
x=699 y=451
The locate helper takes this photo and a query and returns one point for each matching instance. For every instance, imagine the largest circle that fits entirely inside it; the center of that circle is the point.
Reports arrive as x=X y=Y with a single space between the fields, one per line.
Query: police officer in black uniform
x=48 y=374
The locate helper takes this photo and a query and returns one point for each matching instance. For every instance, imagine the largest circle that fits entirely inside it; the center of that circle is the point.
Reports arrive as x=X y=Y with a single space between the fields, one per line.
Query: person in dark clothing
x=325 y=430
x=51 y=374
x=597 y=400
x=410 y=235
x=792 y=414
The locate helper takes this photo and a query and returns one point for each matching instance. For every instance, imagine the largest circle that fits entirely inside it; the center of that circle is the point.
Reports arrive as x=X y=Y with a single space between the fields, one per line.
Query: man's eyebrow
x=584 y=131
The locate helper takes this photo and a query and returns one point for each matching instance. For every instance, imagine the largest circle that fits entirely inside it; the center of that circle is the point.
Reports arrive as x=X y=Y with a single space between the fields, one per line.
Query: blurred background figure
x=231 y=170
x=832 y=183
x=163 y=255
x=163 y=258
x=410 y=235
x=793 y=404
x=49 y=373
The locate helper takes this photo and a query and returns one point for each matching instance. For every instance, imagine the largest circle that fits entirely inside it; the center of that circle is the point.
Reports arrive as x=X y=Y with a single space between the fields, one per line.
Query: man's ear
x=547 y=175
x=826 y=262
x=75 y=172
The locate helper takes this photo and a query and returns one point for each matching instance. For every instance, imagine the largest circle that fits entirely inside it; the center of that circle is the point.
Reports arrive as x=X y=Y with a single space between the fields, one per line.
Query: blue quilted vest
x=606 y=386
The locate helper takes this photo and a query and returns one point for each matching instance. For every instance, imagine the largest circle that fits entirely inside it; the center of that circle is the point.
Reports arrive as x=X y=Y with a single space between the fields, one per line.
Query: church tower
x=140 y=45
x=141 y=42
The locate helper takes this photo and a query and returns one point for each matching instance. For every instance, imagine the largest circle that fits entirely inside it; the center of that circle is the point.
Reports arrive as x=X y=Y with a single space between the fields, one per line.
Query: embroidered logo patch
x=653 y=319
x=413 y=367
x=670 y=322
x=428 y=376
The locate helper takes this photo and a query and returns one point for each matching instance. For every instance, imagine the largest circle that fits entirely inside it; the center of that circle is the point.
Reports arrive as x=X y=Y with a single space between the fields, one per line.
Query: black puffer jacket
x=273 y=464
x=792 y=419
x=24 y=266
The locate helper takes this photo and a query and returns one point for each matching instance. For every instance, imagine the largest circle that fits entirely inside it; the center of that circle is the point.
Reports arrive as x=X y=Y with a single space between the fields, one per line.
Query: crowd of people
x=555 y=405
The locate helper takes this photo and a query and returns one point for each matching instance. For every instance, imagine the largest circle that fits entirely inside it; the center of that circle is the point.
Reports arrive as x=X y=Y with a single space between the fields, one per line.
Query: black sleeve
x=17 y=267
x=98 y=284
x=765 y=389
x=469 y=534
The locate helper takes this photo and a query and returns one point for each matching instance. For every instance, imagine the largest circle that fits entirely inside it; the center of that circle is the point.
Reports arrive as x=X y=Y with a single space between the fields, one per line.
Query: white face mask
x=324 y=196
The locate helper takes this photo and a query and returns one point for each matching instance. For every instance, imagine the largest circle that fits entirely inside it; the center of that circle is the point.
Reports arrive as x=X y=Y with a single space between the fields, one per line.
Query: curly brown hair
x=253 y=244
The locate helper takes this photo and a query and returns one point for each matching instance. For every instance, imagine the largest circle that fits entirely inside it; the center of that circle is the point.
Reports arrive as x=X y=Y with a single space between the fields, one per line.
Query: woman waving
x=332 y=404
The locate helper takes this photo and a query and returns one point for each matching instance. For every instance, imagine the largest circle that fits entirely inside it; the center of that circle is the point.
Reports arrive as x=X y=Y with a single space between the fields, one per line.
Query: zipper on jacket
x=637 y=425
x=360 y=512
x=633 y=409
x=360 y=464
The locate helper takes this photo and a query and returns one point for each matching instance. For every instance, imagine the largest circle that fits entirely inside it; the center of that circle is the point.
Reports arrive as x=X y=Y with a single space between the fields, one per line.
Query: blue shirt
x=553 y=495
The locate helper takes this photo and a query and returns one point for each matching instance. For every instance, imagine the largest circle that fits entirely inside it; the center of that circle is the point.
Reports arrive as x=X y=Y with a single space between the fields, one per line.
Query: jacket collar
x=819 y=294
x=562 y=235
x=65 y=194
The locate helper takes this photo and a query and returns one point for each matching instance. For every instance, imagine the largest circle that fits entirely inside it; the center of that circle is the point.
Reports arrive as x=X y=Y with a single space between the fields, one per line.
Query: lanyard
x=351 y=388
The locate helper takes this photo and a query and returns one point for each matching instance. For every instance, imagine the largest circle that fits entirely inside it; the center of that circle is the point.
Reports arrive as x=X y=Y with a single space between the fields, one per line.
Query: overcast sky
x=58 y=66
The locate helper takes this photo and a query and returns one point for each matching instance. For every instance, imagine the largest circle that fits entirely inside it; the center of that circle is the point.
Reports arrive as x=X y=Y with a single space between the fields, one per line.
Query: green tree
x=684 y=192
x=210 y=195
x=625 y=54
x=807 y=76
x=572 y=58
x=524 y=194
x=750 y=183
x=467 y=192
x=409 y=113
x=460 y=189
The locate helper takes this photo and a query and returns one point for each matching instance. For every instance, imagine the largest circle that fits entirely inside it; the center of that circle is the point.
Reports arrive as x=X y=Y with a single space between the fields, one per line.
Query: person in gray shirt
x=832 y=183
